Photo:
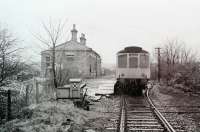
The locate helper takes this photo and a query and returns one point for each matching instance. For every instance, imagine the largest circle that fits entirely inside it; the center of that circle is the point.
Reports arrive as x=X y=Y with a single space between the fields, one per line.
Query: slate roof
x=72 y=45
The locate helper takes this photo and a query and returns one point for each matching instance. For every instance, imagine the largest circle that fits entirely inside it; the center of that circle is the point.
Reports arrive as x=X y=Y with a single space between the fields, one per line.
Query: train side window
x=122 y=61
x=144 y=61
x=133 y=62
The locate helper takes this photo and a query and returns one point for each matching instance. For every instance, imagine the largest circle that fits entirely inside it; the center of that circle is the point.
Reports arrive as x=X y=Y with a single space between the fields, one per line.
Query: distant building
x=73 y=56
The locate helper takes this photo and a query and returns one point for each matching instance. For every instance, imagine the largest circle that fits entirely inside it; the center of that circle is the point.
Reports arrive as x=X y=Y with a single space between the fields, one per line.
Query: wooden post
x=9 y=105
x=27 y=95
x=36 y=92
x=96 y=66
x=159 y=68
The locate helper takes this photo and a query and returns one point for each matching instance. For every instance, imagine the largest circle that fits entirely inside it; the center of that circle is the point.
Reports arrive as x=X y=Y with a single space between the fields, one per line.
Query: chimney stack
x=74 y=33
x=83 y=39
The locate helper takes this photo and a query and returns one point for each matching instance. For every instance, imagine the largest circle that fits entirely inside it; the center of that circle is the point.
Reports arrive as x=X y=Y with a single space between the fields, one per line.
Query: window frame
x=146 y=63
x=48 y=61
x=119 y=65
x=136 y=56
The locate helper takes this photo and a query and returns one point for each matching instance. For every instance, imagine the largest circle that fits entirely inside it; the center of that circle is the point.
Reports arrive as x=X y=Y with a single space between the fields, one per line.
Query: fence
x=11 y=103
x=5 y=105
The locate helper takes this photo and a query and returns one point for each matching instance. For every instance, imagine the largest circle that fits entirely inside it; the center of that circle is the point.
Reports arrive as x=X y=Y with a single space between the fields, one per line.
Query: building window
x=48 y=61
x=90 y=70
x=48 y=64
x=47 y=58
x=70 y=56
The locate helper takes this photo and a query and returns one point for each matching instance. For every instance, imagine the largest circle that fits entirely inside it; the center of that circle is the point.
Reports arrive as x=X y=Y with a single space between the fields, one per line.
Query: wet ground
x=105 y=105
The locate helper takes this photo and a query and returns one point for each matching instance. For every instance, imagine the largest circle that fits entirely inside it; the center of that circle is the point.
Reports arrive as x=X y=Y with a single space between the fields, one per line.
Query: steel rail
x=159 y=115
x=122 y=119
x=122 y=124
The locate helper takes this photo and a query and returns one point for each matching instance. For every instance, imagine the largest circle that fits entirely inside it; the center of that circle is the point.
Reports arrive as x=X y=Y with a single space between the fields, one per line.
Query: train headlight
x=144 y=75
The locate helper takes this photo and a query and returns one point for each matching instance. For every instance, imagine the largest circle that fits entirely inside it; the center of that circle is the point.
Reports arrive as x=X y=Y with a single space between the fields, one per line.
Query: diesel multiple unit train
x=132 y=71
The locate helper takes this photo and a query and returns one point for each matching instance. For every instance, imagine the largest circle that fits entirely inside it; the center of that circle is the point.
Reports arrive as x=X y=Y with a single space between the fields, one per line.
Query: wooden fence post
x=37 y=92
x=27 y=95
x=9 y=105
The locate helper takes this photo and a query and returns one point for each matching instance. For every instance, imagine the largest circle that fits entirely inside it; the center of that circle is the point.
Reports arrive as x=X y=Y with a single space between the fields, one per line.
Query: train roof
x=133 y=49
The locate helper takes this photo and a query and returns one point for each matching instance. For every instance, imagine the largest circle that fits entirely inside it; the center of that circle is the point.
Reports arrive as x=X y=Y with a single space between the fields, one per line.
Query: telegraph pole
x=96 y=66
x=159 y=69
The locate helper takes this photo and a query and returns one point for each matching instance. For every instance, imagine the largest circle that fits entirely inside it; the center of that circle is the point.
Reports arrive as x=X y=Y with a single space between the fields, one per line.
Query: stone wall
x=78 y=63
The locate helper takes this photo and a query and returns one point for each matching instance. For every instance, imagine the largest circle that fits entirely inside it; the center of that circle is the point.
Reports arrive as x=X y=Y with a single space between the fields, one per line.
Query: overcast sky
x=109 y=25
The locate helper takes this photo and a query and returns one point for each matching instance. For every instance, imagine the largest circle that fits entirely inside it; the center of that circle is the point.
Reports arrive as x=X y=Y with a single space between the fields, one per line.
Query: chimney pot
x=82 y=39
x=74 y=33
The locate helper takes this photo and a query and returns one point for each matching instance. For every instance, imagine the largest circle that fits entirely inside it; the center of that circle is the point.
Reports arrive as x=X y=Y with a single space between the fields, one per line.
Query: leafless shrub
x=178 y=63
x=53 y=34
x=9 y=60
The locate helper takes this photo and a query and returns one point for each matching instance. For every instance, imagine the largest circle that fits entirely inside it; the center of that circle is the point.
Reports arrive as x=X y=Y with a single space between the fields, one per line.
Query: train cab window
x=122 y=61
x=133 y=62
x=144 y=61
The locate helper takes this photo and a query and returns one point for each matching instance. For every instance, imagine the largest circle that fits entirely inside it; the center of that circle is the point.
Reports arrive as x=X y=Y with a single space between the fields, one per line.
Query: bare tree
x=177 y=59
x=51 y=38
x=62 y=74
x=9 y=61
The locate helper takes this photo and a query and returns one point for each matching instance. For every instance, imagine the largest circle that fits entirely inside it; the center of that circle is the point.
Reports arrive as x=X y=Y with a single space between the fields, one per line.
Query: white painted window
x=70 y=56
x=133 y=62
x=144 y=61
x=122 y=61
x=48 y=61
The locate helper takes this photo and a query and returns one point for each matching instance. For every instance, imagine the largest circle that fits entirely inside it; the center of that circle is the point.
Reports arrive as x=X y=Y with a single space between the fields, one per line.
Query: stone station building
x=73 y=56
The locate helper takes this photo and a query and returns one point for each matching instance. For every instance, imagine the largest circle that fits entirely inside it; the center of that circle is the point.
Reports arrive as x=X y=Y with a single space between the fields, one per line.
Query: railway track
x=138 y=114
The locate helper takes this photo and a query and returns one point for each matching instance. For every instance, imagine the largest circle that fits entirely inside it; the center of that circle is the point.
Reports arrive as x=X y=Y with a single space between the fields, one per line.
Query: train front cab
x=132 y=73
